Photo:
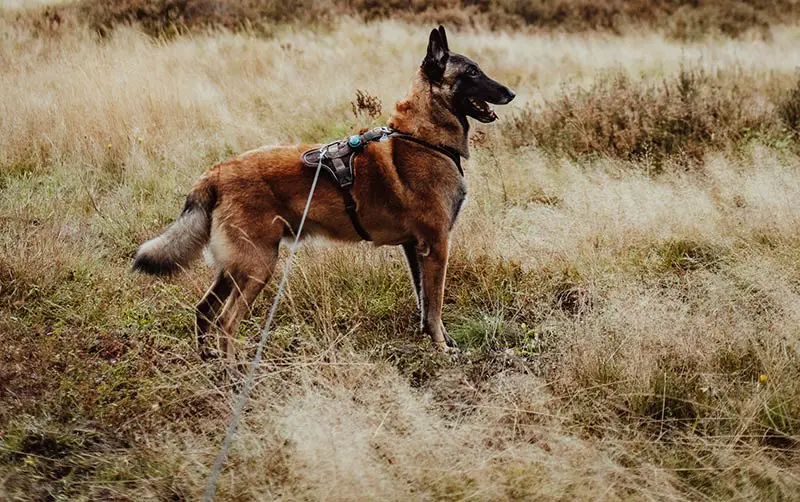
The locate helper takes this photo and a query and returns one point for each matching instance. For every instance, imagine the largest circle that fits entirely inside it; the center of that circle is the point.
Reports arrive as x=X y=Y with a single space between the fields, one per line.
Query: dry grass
x=627 y=334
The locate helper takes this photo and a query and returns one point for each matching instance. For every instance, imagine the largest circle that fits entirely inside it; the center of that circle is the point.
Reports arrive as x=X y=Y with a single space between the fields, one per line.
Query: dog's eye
x=472 y=71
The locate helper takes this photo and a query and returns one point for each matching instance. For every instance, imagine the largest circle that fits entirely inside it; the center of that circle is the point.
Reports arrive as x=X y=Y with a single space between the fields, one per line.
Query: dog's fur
x=406 y=195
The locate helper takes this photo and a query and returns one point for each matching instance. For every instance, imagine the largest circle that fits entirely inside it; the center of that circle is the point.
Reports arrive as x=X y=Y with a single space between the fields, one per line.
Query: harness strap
x=350 y=207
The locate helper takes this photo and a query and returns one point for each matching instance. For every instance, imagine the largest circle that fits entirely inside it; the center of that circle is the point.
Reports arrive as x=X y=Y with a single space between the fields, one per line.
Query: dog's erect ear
x=436 y=59
x=444 y=38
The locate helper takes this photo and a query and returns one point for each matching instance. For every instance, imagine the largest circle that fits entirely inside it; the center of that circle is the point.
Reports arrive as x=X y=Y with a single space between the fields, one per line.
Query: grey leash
x=219 y=461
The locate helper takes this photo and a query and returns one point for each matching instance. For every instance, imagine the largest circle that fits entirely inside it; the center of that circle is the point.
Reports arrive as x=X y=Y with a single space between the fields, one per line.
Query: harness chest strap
x=338 y=159
x=350 y=207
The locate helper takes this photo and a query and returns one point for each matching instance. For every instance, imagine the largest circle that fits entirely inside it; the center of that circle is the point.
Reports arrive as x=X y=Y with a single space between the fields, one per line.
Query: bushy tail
x=184 y=239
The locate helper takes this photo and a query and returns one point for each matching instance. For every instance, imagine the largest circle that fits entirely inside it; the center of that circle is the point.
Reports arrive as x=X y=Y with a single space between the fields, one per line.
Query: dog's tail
x=184 y=239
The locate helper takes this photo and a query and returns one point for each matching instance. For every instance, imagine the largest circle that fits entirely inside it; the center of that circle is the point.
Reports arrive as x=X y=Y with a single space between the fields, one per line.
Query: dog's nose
x=509 y=95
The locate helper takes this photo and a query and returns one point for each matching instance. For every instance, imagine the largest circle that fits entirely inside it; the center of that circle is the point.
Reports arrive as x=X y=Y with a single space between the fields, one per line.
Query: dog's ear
x=444 y=38
x=436 y=59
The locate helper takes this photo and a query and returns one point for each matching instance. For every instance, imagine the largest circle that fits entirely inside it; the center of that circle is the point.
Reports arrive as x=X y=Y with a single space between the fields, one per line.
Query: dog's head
x=460 y=82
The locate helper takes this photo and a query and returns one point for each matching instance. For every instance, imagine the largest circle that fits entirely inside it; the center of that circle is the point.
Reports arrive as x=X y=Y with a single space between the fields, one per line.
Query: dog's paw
x=447 y=338
x=450 y=351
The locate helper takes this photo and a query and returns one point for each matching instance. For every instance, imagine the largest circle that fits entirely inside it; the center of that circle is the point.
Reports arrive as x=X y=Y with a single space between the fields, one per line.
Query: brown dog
x=406 y=192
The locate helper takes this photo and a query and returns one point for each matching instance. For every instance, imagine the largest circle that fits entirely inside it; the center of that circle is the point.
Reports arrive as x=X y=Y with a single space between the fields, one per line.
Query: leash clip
x=385 y=133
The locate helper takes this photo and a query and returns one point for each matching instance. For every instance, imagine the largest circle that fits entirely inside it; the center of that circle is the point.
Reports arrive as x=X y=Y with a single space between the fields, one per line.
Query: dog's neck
x=428 y=117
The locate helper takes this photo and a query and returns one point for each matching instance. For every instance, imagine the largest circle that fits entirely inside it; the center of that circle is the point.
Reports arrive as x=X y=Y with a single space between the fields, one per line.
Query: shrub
x=734 y=19
x=682 y=19
x=680 y=117
x=789 y=108
x=159 y=17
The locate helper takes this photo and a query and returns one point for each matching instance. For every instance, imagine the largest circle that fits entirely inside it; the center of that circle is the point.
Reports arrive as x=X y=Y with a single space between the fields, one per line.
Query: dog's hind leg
x=245 y=291
x=208 y=309
x=249 y=279
x=412 y=257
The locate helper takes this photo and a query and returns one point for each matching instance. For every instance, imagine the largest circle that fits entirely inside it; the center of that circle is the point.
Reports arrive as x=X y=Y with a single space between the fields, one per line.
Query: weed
x=366 y=104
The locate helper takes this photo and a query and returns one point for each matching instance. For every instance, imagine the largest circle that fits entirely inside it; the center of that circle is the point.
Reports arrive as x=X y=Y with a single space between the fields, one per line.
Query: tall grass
x=626 y=333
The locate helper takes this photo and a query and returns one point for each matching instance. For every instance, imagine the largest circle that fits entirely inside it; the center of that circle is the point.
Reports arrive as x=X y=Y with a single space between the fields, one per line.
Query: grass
x=625 y=294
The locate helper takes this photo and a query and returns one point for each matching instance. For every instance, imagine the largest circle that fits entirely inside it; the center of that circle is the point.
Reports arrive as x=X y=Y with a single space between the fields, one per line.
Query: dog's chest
x=449 y=191
x=448 y=194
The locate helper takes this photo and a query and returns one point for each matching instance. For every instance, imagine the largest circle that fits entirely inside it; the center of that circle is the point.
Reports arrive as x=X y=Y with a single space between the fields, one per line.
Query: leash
x=219 y=461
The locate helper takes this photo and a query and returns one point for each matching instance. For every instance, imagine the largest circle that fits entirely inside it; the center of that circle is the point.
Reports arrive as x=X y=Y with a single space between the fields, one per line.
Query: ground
x=624 y=281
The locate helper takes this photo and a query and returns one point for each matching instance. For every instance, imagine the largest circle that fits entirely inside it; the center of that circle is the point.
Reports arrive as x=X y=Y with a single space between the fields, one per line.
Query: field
x=624 y=281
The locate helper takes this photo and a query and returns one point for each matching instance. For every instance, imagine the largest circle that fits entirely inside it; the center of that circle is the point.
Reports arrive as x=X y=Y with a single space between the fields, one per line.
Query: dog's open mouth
x=480 y=110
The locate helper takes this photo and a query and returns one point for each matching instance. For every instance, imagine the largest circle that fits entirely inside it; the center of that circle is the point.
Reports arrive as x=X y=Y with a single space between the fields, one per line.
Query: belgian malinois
x=407 y=193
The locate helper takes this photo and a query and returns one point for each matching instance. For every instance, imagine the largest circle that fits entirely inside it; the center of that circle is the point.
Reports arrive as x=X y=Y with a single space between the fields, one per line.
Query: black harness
x=338 y=159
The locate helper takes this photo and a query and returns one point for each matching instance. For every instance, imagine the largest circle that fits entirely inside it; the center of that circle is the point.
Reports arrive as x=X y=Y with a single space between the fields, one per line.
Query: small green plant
x=684 y=255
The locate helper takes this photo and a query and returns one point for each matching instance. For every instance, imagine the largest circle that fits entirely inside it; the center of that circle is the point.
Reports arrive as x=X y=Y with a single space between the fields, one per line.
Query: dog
x=407 y=190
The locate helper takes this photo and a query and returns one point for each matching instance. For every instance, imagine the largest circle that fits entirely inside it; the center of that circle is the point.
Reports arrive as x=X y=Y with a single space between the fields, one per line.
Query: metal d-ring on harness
x=338 y=159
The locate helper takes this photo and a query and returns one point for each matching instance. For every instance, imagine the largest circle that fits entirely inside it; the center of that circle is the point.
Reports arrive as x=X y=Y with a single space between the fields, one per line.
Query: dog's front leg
x=434 y=271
